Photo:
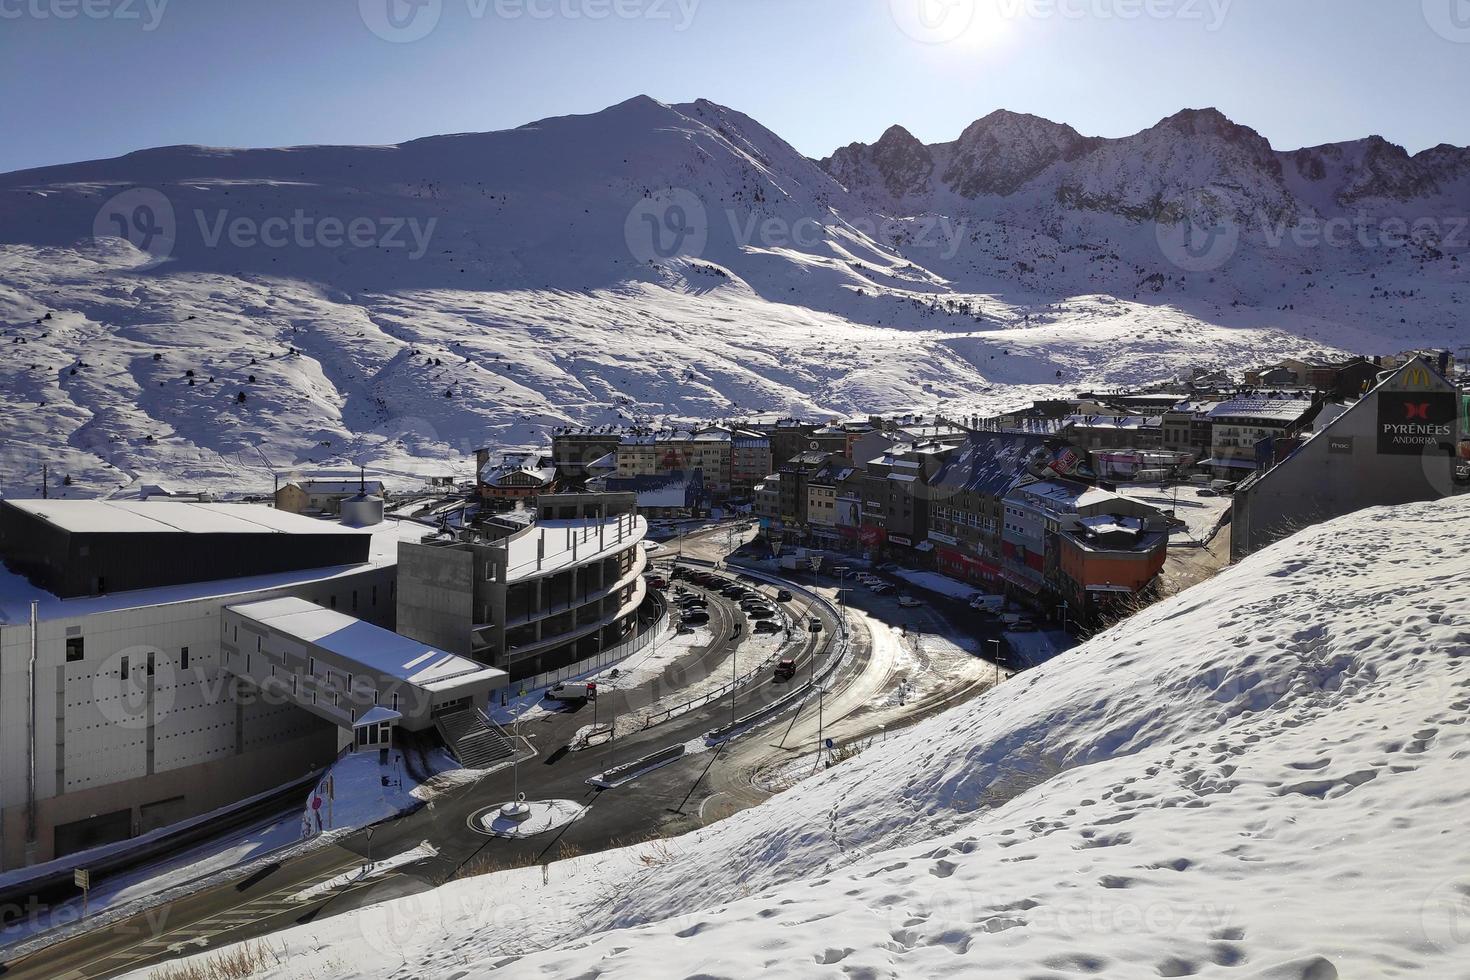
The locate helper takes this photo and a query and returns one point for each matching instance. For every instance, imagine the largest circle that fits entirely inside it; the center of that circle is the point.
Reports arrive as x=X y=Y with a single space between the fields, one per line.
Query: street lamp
x=996 y=659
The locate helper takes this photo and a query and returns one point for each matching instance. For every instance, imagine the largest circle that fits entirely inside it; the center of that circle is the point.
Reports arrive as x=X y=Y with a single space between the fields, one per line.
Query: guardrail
x=599 y=736
x=803 y=692
x=621 y=774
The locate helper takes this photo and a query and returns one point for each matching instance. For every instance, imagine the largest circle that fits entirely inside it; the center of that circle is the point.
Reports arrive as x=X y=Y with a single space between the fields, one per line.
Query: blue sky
x=96 y=78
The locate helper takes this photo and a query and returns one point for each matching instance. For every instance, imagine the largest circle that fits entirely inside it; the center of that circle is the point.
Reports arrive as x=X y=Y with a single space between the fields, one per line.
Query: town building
x=573 y=447
x=529 y=592
x=750 y=461
x=966 y=510
x=1243 y=429
x=518 y=476
x=111 y=640
x=1047 y=519
x=680 y=450
x=322 y=497
x=1404 y=441
x=1186 y=428
x=1089 y=432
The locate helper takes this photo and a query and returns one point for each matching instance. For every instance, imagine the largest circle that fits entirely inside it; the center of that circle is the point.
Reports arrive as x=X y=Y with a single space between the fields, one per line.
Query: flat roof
x=172 y=517
x=363 y=643
x=17 y=593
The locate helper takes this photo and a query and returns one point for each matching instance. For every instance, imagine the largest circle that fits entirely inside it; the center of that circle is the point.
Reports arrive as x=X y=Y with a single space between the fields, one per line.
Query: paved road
x=268 y=900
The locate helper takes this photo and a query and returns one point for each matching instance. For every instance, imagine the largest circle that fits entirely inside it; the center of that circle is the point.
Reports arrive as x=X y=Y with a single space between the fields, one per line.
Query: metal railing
x=605 y=658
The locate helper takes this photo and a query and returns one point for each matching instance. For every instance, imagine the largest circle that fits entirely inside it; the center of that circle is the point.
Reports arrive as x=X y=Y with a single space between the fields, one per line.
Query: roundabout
x=521 y=818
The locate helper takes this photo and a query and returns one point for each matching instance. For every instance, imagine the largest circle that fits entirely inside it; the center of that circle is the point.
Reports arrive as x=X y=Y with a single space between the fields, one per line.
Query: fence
x=603 y=659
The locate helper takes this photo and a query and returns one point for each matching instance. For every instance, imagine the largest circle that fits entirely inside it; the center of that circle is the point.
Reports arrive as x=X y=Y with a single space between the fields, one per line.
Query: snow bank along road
x=1261 y=777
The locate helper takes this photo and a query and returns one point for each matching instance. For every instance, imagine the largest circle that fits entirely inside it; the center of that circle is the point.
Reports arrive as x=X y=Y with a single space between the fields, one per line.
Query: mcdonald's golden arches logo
x=1418 y=377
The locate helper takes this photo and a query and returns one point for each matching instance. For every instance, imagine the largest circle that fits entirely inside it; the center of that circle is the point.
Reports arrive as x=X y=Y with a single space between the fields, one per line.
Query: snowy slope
x=1263 y=776
x=655 y=261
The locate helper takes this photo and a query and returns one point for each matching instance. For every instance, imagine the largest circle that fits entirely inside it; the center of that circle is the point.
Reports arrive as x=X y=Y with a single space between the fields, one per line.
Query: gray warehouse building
x=1400 y=443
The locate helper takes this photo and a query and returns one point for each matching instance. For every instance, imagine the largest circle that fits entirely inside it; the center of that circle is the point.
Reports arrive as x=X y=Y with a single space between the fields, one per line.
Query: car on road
x=880 y=587
x=694 y=603
x=695 y=617
x=786 y=669
x=816 y=626
x=1023 y=626
x=1206 y=492
x=784 y=595
x=658 y=581
x=909 y=602
x=572 y=692
x=766 y=626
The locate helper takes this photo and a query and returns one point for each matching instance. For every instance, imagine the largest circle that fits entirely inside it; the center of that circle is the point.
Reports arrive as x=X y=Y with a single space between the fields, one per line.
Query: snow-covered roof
x=988 y=462
x=1267 y=409
x=337 y=486
x=372 y=646
x=172 y=517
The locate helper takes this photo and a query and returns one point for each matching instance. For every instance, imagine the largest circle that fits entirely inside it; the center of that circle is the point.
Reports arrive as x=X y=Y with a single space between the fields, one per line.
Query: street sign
x=829 y=743
x=82 y=878
x=816 y=561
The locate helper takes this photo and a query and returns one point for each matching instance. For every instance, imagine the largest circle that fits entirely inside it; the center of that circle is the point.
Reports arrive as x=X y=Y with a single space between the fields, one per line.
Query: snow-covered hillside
x=1264 y=776
x=400 y=306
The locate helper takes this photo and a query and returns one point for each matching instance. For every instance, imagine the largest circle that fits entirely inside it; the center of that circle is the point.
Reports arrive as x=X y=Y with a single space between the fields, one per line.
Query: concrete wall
x=436 y=595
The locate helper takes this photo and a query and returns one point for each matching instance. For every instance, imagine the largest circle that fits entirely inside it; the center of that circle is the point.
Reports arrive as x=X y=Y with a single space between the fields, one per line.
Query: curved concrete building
x=532 y=591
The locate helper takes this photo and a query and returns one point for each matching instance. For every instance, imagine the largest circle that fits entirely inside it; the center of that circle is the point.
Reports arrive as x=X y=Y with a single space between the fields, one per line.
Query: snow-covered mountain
x=1260 y=777
x=201 y=316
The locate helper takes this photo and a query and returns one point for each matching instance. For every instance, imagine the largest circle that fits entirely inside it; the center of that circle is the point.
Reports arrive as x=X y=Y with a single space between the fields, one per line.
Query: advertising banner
x=1413 y=423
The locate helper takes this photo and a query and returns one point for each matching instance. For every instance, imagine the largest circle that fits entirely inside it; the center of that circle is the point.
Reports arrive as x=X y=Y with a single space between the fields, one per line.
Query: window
x=333 y=602
x=150 y=665
x=123 y=669
x=74 y=649
x=184 y=658
x=354 y=600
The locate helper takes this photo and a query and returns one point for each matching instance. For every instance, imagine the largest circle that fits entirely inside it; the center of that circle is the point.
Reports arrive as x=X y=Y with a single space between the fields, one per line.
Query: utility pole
x=45 y=482
x=996 y=658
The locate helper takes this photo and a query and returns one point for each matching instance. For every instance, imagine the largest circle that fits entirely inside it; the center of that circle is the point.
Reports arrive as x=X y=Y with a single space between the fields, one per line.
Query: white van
x=572 y=692
x=988 y=603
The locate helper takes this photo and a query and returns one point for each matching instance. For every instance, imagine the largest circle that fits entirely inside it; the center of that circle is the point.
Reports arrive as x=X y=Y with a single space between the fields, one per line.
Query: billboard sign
x=1411 y=423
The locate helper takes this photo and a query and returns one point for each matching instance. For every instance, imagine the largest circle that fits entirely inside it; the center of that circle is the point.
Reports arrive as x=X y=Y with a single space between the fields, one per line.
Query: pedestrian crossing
x=200 y=934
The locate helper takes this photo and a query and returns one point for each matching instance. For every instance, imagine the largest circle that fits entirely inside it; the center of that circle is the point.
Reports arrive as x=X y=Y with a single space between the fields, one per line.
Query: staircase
x=476 y=743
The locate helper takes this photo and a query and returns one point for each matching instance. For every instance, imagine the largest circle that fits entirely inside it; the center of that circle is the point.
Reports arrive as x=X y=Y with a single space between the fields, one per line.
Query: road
x=890 y=678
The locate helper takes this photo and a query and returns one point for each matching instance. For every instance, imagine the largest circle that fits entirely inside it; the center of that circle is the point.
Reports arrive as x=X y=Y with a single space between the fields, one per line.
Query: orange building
x=1107 y=561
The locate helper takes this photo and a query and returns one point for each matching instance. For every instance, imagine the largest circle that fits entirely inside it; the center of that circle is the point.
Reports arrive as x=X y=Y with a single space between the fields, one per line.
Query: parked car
x=695 y=617
x=1023 y=626
x=786 y=669
x=572 y=692
x=694 y=602
x=766 y=626
x=1207 y=492
x=988 y=603
x=784 y=595
x=880 y=587
x=909 y=602
x=761 y=612
x=658 y=581
x=816 y=626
